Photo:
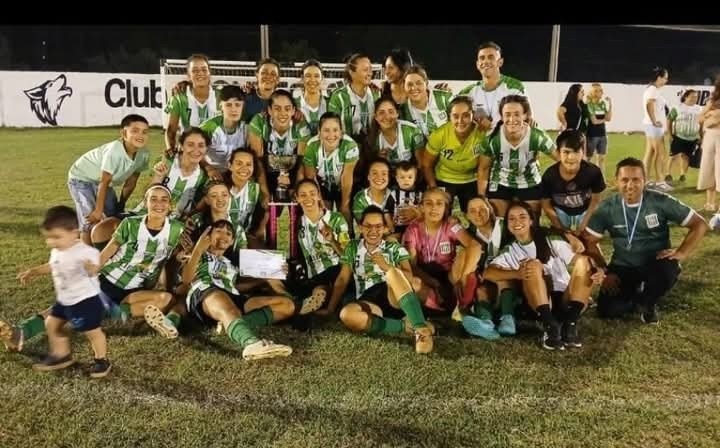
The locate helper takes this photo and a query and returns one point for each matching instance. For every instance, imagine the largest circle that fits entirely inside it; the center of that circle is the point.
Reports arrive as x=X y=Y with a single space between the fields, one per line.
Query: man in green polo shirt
x=644 y=265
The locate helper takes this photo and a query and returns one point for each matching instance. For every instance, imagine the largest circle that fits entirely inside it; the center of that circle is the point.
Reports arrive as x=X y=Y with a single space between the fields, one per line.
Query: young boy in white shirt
x=74 y=266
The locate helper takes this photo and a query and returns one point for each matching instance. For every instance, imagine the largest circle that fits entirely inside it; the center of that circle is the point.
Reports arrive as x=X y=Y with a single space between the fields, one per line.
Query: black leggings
x=644 y=286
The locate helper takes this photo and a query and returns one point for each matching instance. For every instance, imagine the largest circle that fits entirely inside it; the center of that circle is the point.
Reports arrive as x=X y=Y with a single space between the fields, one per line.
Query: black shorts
x=682 y=146
x=195 y=300
x=522 y=194
x=83 y=316
x=330 y=194
x=378 y=294
x=305 y=288
x=116 y=293
x=464 y=192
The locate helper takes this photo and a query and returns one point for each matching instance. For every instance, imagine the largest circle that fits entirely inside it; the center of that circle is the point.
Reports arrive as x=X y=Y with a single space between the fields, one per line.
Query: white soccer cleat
x=158 y=322
x=263 y=349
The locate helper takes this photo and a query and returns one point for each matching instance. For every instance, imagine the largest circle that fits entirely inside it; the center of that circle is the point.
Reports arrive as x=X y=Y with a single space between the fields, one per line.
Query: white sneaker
x=265 y=349
x=158 y=322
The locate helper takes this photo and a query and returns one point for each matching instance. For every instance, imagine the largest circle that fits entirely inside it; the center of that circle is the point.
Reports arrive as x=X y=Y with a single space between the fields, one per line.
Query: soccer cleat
x=409 y=328
x=158 y=322
x=482 y=328
x=506 y=327
x=314 y=302
x=551 y=338
x=100 y=368
x=12 y=337
x=51 y=363
x=263 y=349
x=682 y=178
x=424 y=340
x=570 y=335
x=650 y=315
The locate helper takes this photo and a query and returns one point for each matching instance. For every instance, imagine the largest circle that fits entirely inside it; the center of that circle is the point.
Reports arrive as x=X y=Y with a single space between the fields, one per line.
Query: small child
x=407 y=195
x=74 y=266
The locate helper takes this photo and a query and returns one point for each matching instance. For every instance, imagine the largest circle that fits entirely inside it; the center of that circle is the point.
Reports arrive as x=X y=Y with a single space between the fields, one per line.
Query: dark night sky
x=587 y=53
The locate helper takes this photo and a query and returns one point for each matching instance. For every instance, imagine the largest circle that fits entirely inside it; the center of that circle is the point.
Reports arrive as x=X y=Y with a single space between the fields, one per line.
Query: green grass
x=630 y=386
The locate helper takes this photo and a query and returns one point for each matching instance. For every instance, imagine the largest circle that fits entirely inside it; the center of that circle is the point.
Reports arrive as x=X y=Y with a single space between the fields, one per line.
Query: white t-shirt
x=561 y=256
x=653 y=93
x=72 y=282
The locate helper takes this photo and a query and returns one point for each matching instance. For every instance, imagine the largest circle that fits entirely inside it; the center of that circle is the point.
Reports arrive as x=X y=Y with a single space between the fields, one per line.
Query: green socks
x=174 y=318
x=483 y=310
x=508 y=301
x=261 y=317
x=32 y=326
x=410 y=304
x=240 y=333
x=383 y=325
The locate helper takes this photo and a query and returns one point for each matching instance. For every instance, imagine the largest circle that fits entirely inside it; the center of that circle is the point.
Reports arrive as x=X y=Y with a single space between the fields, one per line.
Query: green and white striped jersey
x=185 y=192
x=141 y=256
x=243 y=203
x=329 y=167
x=213 y=271
x=191 y=111
x=488 y=102
x=366 y=273
x=319 y=254
x=516 y=167
x=274 y=143
x=202 y=220
x=409 y=139
x=363 y=200
x=434 y=115
x=312 y=114
x=223 y=141
x=685 y=121
x=356 y=113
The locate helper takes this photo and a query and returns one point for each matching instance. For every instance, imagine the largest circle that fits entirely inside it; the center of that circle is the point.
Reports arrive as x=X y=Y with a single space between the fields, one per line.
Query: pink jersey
x=439 y=248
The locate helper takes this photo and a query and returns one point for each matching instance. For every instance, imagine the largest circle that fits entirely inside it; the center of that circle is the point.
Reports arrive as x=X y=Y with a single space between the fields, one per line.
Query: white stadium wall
x=47 y=99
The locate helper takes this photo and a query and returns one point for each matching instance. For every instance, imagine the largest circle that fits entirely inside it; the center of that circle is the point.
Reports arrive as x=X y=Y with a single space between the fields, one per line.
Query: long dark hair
x=571 y=98
x=403 y=60
x=371 y=145
x=538 y=234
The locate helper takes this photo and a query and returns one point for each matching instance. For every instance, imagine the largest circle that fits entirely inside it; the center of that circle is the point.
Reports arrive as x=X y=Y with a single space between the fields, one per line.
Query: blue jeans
x=84 y=195
x=570 y=222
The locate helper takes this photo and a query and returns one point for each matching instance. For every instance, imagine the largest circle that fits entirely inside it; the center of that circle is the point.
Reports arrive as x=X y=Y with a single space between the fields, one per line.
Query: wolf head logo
x=46 y=99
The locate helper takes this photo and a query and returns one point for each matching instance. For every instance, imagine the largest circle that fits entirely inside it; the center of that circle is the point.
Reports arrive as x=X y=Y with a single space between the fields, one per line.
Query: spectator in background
x=599 y=112
x=684 y=130
x=572 y=113
x=709 y=176
x=654 y=121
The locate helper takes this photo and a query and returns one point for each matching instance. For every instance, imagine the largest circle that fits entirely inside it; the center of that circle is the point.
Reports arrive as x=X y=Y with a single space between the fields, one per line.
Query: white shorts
x=654 y=131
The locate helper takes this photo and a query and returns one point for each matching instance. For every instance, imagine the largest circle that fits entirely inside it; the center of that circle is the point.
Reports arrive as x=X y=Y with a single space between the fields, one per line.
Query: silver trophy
x=282 y=163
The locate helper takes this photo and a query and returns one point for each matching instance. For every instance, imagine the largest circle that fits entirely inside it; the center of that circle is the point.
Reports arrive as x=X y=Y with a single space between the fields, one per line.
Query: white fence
x=46 y=99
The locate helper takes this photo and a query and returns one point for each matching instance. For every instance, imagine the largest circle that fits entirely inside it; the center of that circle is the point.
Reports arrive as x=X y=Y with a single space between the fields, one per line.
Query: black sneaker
x=682 y=178
x=668 y=179
x=650 y=315
x=51 y=363
x=100 y=368
x=570 y=335
x=552 y=338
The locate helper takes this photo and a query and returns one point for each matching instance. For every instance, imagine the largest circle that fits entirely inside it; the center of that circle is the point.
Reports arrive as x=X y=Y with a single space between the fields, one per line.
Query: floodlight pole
x=264 y=41
x=554 y=53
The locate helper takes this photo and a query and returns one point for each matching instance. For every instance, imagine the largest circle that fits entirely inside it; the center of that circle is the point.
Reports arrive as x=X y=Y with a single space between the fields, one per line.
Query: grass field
x=630 y=386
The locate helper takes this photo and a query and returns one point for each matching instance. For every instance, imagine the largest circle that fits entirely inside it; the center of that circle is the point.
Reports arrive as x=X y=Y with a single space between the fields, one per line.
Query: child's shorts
x=83 y=316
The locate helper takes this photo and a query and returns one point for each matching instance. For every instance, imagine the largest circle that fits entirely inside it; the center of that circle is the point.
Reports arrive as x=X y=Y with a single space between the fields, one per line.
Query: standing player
x=493 y=87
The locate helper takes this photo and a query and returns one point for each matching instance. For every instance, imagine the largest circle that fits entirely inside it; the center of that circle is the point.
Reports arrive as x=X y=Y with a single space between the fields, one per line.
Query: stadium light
x=264 y=41
x=554 y=53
